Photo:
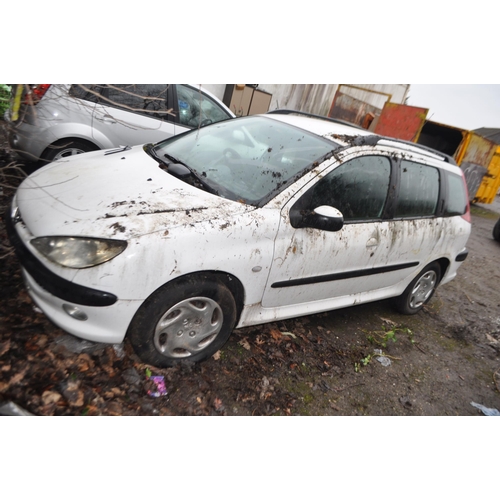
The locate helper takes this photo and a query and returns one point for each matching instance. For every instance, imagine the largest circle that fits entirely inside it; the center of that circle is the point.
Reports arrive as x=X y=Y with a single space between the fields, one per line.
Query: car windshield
x=246 y=159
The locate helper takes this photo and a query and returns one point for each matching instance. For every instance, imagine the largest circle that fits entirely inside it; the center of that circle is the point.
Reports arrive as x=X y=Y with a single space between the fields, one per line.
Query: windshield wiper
x=179 y=169
x=119 y=150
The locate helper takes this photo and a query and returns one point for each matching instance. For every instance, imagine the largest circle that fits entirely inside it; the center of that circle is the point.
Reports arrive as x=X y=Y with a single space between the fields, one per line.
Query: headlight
x=77 y=252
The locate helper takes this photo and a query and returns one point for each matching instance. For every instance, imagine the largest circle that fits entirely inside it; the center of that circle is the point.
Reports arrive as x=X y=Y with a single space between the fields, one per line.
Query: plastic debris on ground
x=10 y=409
x=119 y=350
x=383 y=360
x=78 y=346
x=159 y=382
x=489 y=412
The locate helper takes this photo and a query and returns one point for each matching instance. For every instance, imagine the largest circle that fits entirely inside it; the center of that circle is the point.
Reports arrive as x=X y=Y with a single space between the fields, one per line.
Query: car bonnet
x=101 y=194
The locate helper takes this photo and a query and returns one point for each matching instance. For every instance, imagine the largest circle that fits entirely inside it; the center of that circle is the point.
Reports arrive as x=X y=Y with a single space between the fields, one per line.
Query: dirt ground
x=441 y=360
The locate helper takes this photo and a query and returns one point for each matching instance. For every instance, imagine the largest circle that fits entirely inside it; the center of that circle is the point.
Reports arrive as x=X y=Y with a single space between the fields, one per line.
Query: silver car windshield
x=246 y=159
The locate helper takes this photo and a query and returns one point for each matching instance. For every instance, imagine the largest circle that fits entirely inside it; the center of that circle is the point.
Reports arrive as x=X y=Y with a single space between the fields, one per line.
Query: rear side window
x=145 y=99
x=358 y=188
x=418 y=191
x=456 y=203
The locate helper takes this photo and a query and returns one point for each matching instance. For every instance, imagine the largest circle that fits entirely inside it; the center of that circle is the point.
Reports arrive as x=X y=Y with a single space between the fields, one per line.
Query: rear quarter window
x=418 y=191
x=86 y=91
x=456 y=202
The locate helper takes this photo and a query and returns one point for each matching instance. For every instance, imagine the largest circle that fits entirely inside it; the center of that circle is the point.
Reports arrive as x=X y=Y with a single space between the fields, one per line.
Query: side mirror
x=325 y=218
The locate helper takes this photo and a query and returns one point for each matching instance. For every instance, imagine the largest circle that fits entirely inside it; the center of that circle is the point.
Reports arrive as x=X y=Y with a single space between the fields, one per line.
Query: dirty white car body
x=178 y=236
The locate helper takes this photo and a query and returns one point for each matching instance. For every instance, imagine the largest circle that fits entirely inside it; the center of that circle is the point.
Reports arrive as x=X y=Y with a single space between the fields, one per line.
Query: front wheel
x=67 y=147
x=184 y=321
x=419 y=291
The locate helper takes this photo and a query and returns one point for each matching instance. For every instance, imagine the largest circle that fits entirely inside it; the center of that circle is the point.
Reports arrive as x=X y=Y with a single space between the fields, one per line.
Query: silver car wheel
x=68 y=152
x=188 y=327
x=423 y=289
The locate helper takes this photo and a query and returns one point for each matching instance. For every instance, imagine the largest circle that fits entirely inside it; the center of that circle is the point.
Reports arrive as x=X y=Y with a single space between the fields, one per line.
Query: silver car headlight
x=77 y=252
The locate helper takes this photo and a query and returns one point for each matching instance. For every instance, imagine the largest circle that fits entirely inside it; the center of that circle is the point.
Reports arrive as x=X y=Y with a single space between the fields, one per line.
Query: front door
x=311 y=264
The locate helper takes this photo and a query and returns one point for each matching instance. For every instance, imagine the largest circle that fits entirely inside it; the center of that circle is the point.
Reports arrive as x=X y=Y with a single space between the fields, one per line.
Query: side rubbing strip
x=342 y=276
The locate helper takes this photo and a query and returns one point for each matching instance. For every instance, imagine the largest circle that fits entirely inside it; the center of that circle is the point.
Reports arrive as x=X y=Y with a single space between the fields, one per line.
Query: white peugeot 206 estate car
x=246 y=221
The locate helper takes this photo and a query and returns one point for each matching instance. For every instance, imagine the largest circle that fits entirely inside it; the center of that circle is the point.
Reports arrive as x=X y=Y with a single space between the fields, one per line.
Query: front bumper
x=107 y=317
x=103 y=324
x=50 y=281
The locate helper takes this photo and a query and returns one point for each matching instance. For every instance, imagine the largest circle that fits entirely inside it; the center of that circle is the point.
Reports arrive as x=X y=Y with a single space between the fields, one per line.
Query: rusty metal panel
x=401 y=121
x=445 y=138
x=475 y=161
x=474 y=175
x=350 y=109
x=491 y=181
x=479 y=150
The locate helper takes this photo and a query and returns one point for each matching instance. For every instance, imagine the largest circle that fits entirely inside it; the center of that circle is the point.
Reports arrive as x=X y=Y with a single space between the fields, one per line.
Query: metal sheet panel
x=445 y=138
x=479 y=150
x=401 y=121
x=350 y=109
x=491 y=181
x=473 y=177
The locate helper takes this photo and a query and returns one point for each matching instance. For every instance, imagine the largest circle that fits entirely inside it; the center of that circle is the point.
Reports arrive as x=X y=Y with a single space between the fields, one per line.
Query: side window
x=145 y=99
x=419 y=190
x=196 y=108
x=358 y=188
x=456 y=204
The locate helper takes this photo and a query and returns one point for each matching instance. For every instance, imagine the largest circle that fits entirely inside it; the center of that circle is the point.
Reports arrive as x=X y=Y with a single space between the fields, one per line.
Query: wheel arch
x=233 y=284
x=64 y=140
x=444 y=264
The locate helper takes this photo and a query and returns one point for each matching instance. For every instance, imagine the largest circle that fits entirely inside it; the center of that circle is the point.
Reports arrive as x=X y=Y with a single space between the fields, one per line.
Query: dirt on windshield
x=363 y=360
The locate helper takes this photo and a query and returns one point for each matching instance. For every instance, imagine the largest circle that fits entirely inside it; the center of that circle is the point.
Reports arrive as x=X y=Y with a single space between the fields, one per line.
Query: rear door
x=131 y=114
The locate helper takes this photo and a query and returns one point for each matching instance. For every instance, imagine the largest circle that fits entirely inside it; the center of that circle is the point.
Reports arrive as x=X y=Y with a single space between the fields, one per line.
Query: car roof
x=323 y=127
x=343 y=133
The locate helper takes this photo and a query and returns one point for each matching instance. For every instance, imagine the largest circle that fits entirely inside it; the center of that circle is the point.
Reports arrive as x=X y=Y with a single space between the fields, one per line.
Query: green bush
x=4 y=98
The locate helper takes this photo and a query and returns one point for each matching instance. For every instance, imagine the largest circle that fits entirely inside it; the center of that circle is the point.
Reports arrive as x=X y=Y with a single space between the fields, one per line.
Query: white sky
x=467 y=106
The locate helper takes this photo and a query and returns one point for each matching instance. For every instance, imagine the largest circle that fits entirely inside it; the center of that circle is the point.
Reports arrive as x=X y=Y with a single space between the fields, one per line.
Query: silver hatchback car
x=50 y=122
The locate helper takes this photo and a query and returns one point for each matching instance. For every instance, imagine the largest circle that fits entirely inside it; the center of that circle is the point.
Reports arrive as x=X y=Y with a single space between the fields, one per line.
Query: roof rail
x=446 y=158
x=311 y=115
x=370 y=139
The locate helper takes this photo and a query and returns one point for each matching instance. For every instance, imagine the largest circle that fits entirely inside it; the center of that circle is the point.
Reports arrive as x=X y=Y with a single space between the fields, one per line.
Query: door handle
x=108 y=119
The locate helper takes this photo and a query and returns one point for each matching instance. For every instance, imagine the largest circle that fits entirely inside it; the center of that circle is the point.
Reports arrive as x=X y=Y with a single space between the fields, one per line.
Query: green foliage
x=382 y=338
x=4 y=98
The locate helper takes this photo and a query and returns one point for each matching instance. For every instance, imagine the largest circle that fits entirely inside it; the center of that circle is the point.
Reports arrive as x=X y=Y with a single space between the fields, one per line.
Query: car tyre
x=67 y=147
x=419 y=291
x=185 y=321
x=496 y=230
